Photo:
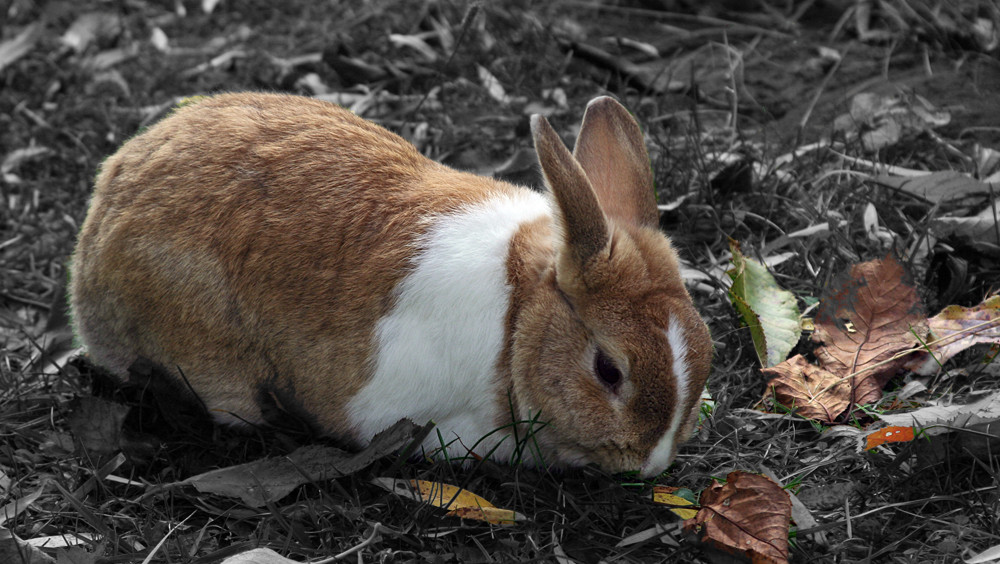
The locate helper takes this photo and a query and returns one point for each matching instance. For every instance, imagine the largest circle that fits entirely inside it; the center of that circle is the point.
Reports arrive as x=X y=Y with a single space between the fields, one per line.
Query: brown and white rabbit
x=276 y=251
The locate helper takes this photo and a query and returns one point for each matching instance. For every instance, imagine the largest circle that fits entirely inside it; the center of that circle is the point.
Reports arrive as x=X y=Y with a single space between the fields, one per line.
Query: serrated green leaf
x=769 y=312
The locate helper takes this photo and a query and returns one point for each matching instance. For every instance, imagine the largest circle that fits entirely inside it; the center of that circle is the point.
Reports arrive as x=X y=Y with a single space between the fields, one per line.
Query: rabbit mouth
x=574 y=456
x=610 y=457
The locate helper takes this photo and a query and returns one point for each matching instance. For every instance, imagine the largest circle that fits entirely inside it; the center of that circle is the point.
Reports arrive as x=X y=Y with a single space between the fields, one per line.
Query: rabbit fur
x=280 y=256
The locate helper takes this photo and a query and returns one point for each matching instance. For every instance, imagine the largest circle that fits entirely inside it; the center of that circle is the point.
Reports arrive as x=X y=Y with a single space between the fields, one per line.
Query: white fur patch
x=437 y=350
x=662 y=454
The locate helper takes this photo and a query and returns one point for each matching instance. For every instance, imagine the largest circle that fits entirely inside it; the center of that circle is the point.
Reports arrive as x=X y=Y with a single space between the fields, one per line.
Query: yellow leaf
x=494 y=515
x=462 y=503
x=664 y=495
x=447 y=496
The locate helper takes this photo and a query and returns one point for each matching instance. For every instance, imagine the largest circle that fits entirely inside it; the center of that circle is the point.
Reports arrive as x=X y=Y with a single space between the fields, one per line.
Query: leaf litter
x=459 y=502
x=868 y=329
x=865 y=323
x=748 y=516
x=268 y=480
x=422 y=78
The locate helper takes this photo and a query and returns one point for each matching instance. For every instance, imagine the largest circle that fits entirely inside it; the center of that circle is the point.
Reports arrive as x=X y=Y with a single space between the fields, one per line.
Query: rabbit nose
x=661 y=456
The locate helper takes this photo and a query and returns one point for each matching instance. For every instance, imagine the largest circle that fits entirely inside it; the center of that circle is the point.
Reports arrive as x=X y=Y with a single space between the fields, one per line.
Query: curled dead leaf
x=808 y=390
x=258 y=556
x=881 y=121
x=270 y=479
x=939 y=187
x=970 y=427
x=13 y=549
x=97 y=425
x=748 y=515
x=90 y=28
x=955 y=329
x=13 y=49
x=942 y=418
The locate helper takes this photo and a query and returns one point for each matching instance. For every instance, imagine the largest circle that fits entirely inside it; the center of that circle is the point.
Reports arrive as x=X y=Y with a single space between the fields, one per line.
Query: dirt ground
x=726 y=93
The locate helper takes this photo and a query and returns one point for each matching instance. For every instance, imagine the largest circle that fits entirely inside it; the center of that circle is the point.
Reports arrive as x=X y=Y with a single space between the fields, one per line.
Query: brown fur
x=334 y=240
x=611 y=150
x=624 y=308
x=615 y=284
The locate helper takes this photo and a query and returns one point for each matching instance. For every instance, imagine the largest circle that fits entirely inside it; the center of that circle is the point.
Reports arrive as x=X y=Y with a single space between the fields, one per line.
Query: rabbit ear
x=611 y=150
x=582 y=220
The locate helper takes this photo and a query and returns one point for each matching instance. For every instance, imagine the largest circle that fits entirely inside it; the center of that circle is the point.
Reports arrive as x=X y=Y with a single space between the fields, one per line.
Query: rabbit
x=280 y=256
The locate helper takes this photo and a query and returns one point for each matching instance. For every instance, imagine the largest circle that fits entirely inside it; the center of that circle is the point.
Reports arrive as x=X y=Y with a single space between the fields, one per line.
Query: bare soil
x=721 y=88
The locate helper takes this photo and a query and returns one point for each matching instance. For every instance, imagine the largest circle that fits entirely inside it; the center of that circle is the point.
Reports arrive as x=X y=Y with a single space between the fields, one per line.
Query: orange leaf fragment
x=888 y=435
x=747 y=516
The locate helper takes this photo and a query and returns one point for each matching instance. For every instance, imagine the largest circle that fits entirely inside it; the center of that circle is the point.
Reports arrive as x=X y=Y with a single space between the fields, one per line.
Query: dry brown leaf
x=92 y=27
x=943 y=418
x=13 y=549
x=865 y=325
x=270 y=479
x=981 y=227
x=258 y=556
x=492 y=85
x=13 y=49
x=937 y=187
x=747 y=516
x=97 y=425
x=955 y=329
x=868 y=329
x=881 y=121
x=11 y=510
x=978 y=424
x=77 y=555
x=809 y=390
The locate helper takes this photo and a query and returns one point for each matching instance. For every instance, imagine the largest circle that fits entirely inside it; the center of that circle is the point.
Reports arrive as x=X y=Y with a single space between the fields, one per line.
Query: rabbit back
x=285 y=254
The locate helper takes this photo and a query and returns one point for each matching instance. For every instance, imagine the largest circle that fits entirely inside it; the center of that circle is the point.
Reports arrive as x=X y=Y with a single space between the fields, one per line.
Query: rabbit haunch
x=281 y=252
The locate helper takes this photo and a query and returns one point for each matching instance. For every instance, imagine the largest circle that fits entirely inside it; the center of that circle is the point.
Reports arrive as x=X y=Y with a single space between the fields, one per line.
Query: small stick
x=376 y=528
x=847 y=516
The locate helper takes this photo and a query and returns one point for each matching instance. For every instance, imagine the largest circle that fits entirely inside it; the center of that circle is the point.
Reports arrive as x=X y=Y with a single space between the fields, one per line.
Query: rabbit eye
x=606 y=371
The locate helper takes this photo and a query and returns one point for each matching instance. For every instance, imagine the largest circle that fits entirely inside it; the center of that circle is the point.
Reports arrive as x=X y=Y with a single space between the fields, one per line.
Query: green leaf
x=770 y=312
